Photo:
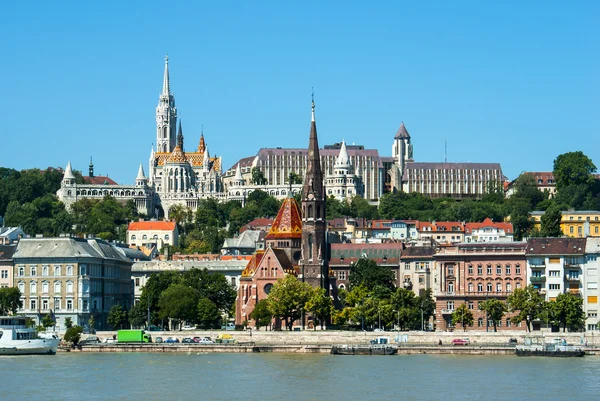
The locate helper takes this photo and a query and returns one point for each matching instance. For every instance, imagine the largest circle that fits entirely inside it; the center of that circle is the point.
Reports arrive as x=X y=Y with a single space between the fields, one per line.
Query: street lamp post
x=379 y=312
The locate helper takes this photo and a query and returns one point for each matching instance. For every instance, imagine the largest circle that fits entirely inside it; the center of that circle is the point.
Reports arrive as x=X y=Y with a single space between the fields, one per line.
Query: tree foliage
x=48 y=321
x=368 y=273
x=494 y=309
x=117 y=317
x=462 y=315
x=73 y=335
x=319 y=305
x=551 y=221
x=567 y=311
x=258 y=177
x=527 y=304
x=179 y=302
x=261 y=314
x=209 y=316
x=10 y=300
x=287 y=299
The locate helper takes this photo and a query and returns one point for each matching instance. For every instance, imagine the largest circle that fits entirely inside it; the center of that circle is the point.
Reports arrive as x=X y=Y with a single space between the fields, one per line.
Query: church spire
x=313 y=181
x=180 y=137
x=166 y=83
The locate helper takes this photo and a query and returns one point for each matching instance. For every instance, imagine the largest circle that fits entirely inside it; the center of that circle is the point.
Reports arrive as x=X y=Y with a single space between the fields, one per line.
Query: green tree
x=209 y=316
x=287 y=299
x=92 y=324
x=573 y=168
x=319 y=305
x=68 y=323
x=213 y=286
x=179 y=302
x=261 y=314
x=47 y=322
x=520 y=218
x=366 y=272
x=426 y=305
x=403 y=302
x=258 y=178
x=462 y=315
x=294 y=178
x=568 y=311
x=10 y=300
x=138 y=316
x=116 y=317
x=527 y=304
x=494 y=310
x=551 y=222
x=73 y=335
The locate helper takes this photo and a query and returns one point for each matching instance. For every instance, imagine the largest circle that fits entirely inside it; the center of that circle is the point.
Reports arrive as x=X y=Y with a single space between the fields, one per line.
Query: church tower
x=402 y=153
x=166 y=116
x=313 y=264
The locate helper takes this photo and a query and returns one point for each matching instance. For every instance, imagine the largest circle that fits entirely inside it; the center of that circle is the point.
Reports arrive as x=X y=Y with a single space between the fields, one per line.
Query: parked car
x=379 y=330
x=154 y=328
x=187 y=327
x=461 y=341
x=205 y=341
x=91 y=340
x=158 y=340
x=512 y=341
x=110 y=340
x=187 y=340
x=171 y=340
x=229 y=326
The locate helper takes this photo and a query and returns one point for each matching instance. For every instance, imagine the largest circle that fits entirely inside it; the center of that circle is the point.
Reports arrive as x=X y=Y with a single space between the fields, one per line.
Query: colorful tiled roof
x=151 y=225
x=253 y=263
x=288 y=223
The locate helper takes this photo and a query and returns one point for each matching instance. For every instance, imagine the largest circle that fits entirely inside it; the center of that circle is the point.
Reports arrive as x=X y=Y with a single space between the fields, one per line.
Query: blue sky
x=511 y=82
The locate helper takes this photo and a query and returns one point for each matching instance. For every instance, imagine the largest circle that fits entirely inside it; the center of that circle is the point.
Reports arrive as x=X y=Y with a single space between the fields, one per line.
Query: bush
x=73 y=335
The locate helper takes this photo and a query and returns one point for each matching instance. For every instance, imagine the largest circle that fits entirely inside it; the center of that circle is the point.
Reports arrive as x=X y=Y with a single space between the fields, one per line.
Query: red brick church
x=295 y=243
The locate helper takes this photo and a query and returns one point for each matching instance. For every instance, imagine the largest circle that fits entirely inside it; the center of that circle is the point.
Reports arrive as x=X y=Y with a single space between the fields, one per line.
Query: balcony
x=537 y=279
x=572 y=279
x=537 y=265
x=447 y=311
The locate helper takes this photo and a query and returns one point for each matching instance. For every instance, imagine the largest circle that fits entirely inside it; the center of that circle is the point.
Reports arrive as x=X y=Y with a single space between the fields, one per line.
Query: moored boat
x=536 y=346
x=17 y=339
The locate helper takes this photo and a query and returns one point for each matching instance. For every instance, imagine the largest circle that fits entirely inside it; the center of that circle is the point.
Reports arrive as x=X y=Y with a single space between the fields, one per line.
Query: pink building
x=471 y=273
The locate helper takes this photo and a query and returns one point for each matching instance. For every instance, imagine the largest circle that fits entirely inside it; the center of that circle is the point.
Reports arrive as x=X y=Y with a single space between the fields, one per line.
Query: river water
x=155 y=376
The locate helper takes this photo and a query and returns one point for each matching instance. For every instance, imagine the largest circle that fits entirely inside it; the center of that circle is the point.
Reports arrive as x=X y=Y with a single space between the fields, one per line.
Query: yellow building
x=574 y=224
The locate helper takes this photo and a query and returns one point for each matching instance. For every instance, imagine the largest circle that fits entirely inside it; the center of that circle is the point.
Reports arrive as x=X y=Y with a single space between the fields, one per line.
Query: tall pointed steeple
x=166 y=82
x=68 y=172
x=206 y=160
x=180 y=137
x=343 y=159
x=140 y=174
x=313 y=263
x=91 y=168
x=166 y=116
x=238 y=173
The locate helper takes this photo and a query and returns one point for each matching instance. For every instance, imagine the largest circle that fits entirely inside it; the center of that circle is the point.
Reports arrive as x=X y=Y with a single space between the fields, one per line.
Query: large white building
x=175 y=177
x=590 y=282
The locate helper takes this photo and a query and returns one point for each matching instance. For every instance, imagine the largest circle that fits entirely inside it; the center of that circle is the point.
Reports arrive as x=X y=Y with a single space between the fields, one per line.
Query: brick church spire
x=313 y=264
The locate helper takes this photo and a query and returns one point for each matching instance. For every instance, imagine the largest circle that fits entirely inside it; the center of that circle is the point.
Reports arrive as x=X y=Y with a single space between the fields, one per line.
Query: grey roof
x=67 y=248
x=402 y=132
x=592 y=245
x=155 y=266
x=247 y=239
x=134 y=254
x=7 y=251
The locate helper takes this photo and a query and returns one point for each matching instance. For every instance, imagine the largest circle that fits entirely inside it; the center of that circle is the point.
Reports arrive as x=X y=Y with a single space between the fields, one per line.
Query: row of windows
x=45 y=287
x=46 y=269
x=489 y=269
x=33 y=304
x=134 y=237
x=489 y=287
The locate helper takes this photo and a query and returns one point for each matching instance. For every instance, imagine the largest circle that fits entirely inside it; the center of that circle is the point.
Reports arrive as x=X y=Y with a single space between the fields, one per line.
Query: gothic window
x=310 y=211
x=165 y=131
x=310 y=245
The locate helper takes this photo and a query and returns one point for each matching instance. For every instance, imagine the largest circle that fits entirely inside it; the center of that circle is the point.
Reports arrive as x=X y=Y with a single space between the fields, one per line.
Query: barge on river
x=536 y=346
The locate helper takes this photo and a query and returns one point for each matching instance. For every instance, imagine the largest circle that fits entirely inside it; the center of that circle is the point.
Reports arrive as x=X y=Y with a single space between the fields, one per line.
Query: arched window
x=310 y=246
x=167 y=237
x=508 y=287
x=470 y=287
x=310 y=211
x=144 y=236
x=69 y=270
x=480 y=287
x=133 y=238
x=480 y=322
x=57 y=270
x=499 y=287
x=489 y=287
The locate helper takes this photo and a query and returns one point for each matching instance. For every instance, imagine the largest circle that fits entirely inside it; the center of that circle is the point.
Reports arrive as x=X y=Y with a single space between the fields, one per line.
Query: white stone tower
x=402 y=153
x=166 y=116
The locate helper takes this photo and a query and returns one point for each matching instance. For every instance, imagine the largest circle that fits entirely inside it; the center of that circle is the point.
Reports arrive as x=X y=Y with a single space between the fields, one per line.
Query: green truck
x=133 y=336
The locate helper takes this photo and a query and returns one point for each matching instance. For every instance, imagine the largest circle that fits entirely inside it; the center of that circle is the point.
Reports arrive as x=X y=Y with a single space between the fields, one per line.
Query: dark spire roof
x=402 y=132
x=313 y=180
x=180 y=136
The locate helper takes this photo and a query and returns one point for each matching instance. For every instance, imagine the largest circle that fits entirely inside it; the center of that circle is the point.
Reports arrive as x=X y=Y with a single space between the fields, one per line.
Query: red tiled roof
x=152 y=225
x=441 y=226
x=99 y=180
x=507 y=227
x=261 y=222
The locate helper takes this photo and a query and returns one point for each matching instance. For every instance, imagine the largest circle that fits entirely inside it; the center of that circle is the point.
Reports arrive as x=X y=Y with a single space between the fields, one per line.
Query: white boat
x=17 y=339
